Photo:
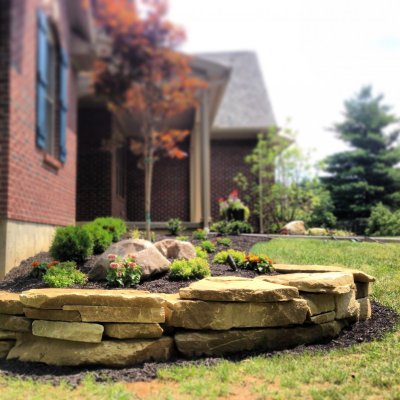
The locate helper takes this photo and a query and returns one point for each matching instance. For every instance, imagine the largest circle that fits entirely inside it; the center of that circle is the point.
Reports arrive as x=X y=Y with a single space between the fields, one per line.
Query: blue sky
x=314 y=54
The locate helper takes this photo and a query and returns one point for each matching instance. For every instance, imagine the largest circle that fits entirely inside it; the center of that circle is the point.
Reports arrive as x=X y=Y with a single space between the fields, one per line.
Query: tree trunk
x=148 y=179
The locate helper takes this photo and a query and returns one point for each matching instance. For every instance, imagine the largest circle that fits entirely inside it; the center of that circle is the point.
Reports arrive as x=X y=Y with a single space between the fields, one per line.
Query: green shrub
x=71 y=243
x=196 y=268
x=182 y=238
x=238 y=227
x=208 y=246
x=383 y=222
x=199 y=234
x=116 y=226
x=123 y=272
x=137 y=234
x=221 y=227
x=222 y=256
x=224 y=242
x=201 y=253
x=101 y=238
x=174 y=226
x=64 y=275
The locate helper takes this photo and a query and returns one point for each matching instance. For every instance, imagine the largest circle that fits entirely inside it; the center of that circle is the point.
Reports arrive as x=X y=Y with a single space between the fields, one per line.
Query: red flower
x=35 y=264
x=234 y=193
x=221 y=200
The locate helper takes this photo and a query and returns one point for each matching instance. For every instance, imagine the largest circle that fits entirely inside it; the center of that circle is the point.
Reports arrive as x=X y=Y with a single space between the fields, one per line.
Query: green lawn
x=365 y=371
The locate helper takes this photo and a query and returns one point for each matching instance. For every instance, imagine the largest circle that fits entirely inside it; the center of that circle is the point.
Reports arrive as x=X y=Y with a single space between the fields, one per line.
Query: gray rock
x=176 y=249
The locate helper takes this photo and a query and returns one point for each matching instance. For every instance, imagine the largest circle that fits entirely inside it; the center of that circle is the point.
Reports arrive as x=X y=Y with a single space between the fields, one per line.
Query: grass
x=364 y=371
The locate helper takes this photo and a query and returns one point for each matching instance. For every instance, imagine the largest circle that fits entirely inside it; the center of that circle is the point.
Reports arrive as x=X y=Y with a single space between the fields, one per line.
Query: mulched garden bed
x=18 y=279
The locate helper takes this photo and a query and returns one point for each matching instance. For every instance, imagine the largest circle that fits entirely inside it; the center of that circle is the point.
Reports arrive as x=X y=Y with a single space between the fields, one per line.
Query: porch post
x=205 y=159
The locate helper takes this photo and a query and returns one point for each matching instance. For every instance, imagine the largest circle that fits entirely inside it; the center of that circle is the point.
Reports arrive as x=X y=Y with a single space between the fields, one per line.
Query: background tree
x=365 y=175
x=144 y=77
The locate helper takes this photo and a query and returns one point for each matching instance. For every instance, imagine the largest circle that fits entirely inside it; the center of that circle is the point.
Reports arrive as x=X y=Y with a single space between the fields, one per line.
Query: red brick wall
x=171 y=189
x=227 y=160
x=37 y=192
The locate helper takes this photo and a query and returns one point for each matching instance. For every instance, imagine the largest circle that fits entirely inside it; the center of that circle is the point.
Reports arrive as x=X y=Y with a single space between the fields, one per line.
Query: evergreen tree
x=365 y=175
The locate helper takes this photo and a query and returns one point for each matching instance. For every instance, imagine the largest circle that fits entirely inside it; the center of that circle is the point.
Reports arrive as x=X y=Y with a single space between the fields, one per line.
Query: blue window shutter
x=41 y=84
x=63 y=103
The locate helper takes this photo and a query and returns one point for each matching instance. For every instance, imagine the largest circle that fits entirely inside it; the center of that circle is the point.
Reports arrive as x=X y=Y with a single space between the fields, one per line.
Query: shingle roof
x=245 y=104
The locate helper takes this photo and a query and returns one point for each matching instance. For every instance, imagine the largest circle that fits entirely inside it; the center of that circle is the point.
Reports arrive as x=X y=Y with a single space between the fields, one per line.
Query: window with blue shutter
x=63 y=97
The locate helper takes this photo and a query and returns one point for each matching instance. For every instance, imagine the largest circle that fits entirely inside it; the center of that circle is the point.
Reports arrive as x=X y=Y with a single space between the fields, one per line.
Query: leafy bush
x=208 y=246
x=71 y=243
x=224 y=242
x=201 y=253
x=64 y=275
x=39 y=269
x=224 y=228
x=221 y=227
x=196 y=268
x=136 y=233
x=199 y=234
x=101 y=238
x=222 y=256
x=182 y=238
x=174 y=226
x=261 y=264
x=116 y=226
x=383 y=222
x=123 y=272
x=340 y=232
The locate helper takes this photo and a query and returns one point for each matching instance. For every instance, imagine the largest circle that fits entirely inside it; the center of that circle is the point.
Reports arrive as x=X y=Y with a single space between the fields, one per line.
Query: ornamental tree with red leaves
x=144 y=77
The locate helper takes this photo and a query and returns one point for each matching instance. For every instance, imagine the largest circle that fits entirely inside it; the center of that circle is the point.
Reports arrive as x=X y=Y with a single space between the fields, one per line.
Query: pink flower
x=132 y=264
x=114 y=265
x=112 y=257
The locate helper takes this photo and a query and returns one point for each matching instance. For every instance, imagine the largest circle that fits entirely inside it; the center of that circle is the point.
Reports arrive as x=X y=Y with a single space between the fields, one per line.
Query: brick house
x=63 y=160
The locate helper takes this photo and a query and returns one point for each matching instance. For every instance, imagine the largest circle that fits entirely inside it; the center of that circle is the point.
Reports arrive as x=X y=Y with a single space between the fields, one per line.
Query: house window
x=120 y=170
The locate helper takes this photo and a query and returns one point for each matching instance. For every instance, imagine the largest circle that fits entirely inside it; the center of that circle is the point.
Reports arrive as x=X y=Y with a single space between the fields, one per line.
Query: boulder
x=225 y=342
x=55 y=299
x=365 y=308
x=238 y=289
x=319 y=303
x=346 y=306
x=15 y=323
x=294 y=228
x=133 y=331
x=317 y=232
x=322 y=282
x=112 y=353
x=53 y=315
x=323 y=318
x=75 y=331
x=10 y=303
x=358 y=276
x=196 y=314
x=5 y=347
x=176 y=249
x=119 y=314
x=146 y=254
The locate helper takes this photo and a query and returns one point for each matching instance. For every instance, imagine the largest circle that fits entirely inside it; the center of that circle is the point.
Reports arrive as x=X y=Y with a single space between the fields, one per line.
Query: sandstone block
x=323 y=318
x=113 y=353
x=238 y=290
x=365 y=308
x=176 y=249
x=7 y=335
x=10 y=303
x=5 y=347
x=319 y=303
x=76 y=331
x=362 y=290
x=322 y=282
x=346 y=306
x=57 y=298
x=133 y=331
x=52 y=315
x=197 y=314
x=15 y=323
x=232 y=341
x=119 y=314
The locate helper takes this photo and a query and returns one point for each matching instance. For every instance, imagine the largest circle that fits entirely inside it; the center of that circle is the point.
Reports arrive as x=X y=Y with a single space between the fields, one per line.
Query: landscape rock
x=227 y=342
x=5 y=347
x=362 y=290
x=319 y=303
x=294 y=228
x=15 y=323
x=112 y=353
x=238 y=290
x=52 y=315
x=323 y=318
x=10 y=303
x=176 y=249
x=7 y=335
x=55 y=299
x=358 y=276
x=146 y=254
x=317 y=232
x=119 y=314
x=346 y=306
x=133 y=331
x=365 y=308
x=76 y=331
x=196 y=314
x=322 y=282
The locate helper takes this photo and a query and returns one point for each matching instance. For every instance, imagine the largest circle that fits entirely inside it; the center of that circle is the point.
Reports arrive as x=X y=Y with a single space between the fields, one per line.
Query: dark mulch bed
x=383 y=320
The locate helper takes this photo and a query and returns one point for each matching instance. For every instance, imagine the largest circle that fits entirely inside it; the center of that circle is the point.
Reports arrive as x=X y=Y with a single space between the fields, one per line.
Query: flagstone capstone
x=10 y=303
x=133 y=331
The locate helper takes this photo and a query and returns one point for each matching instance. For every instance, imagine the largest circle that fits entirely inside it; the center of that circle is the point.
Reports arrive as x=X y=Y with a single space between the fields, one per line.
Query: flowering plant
x=40 y=268
x=232 y=203
x=123 y=272
x=261 y=264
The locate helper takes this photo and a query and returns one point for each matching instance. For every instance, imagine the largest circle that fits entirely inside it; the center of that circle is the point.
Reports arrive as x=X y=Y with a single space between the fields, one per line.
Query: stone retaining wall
x=214 y=316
